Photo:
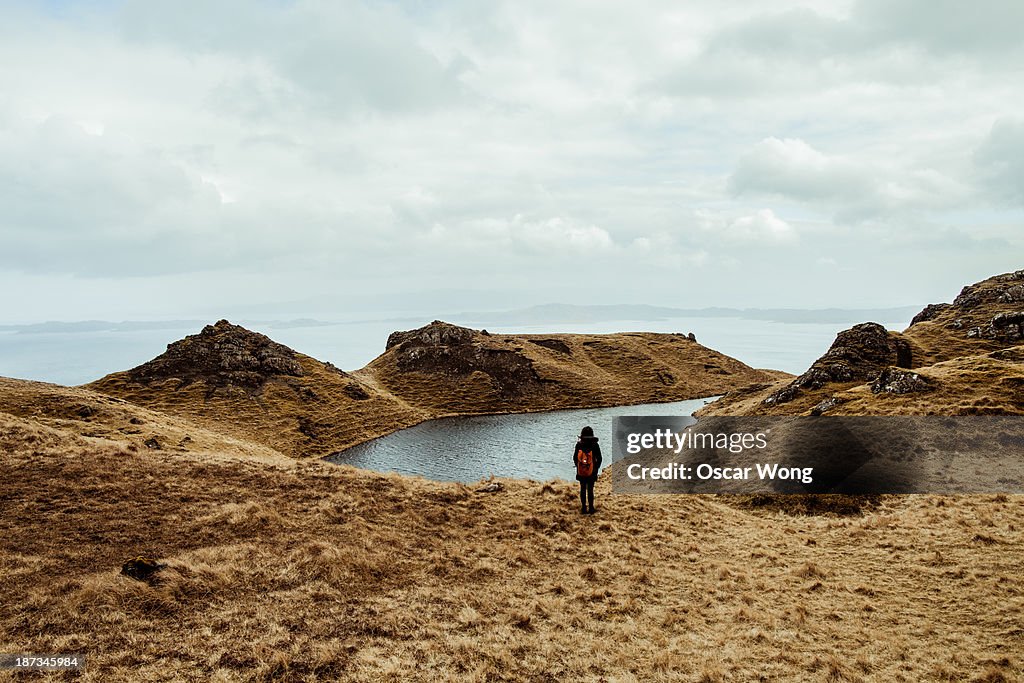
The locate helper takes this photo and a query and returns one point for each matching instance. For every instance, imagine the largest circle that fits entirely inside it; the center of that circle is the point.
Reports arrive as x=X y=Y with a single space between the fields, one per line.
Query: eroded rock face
x=1004 y=327
x=858 y=354
x=930 y=312
x=437 y=333
x=451 y=351
x=219 y=355
x=554 y=345
x=899 y=381
x=1012 y=294
x=1002 y=289
x=826 y=405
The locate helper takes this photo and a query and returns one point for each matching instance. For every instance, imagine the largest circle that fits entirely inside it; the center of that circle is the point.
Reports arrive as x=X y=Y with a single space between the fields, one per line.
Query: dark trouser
x=587 y=492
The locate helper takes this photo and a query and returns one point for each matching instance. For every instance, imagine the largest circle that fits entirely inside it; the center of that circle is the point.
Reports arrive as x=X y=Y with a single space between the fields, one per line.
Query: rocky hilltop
x=444 y=352
x=960 y=358
x=244 y=384
x=221 y=354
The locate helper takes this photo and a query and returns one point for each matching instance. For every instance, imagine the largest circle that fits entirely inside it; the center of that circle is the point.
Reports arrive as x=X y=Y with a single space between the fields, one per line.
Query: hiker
x=586 y=457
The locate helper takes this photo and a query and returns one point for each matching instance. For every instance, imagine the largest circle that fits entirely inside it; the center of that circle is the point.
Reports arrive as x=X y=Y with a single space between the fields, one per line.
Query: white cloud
x=856 y=189
x=559 y=233
x=559 y=237
x=1001 y=159
x=793 y=168
x=762 y=227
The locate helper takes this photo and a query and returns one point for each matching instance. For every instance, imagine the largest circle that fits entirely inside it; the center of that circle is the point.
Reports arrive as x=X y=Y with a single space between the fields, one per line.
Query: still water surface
x=525 y=446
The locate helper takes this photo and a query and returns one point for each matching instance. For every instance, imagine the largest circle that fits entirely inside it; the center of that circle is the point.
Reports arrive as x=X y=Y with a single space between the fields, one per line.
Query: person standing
x=586 y=457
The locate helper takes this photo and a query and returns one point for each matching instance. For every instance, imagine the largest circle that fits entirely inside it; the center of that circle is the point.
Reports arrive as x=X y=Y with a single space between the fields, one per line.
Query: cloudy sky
x=197 y=159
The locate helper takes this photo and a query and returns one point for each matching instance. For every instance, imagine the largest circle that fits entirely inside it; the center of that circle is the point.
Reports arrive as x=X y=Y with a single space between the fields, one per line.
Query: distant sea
x=79 y=357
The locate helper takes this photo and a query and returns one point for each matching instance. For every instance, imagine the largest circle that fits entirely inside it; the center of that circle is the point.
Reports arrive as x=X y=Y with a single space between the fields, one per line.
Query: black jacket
x=588 y=443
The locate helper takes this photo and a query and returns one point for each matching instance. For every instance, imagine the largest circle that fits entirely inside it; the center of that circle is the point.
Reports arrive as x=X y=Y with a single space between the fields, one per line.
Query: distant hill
x=570 y=313
x=553 y=313
x=959 y=358
x=241 y=383
x=80 y=326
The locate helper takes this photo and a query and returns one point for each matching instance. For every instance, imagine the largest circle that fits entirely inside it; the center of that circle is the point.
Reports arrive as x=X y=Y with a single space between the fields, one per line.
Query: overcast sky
x=198 y=159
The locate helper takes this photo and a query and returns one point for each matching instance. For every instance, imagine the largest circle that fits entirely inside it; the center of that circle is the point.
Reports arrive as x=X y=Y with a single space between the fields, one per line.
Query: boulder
x=554 y=345
x=1012 y=294
x=142 y=568
x=899 y=381
x=1004 y=320
x=356 y=392
x=825 y=406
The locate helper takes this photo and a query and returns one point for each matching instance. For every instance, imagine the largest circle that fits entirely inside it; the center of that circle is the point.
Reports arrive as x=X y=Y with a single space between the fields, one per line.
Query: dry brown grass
x=301 y=571
x=92 y=415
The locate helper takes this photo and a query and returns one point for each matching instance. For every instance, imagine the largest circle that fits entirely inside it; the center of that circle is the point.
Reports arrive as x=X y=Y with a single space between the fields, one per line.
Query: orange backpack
x=585 y=463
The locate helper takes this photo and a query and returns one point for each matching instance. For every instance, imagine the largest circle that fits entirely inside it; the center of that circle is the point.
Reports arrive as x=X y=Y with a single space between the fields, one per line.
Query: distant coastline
x=533 y=315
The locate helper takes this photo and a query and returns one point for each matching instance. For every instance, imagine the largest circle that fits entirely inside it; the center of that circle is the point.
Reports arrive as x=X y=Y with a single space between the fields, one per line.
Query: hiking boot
x=591 y=511
x=583 y=510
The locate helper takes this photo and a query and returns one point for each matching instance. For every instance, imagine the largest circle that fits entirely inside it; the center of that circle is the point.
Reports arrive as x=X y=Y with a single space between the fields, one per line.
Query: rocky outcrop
x=221 y=354
x=443 y=349
x=1005 y=327
x=858 y=354
x=974 y=301
x=929 y=312
x=1012 y=295
x=437 y=333
x=899 y=381
x=823 y=407
x=991 y=291
x=553 y=344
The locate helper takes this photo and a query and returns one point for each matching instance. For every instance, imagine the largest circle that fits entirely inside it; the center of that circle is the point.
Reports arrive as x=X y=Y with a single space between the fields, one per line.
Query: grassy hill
x=241 y=383
x=959 y=358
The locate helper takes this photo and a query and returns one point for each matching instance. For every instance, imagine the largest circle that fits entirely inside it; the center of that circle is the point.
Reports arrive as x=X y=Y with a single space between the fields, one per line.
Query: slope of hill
x=960 y=358
x=91 y=415
x=241 y=383
x=229 y=379
x=303 y=571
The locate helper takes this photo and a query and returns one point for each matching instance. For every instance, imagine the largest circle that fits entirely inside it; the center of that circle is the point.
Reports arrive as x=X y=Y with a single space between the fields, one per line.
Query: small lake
x=523 y=445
